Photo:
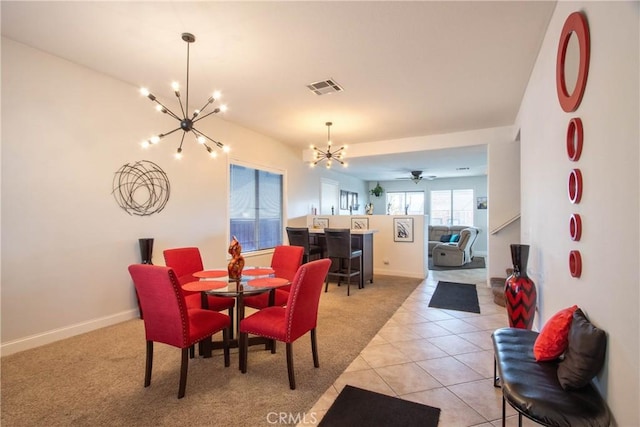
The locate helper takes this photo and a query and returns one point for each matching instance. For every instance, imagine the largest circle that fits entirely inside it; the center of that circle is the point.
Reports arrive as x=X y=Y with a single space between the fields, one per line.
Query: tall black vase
x=146 y=250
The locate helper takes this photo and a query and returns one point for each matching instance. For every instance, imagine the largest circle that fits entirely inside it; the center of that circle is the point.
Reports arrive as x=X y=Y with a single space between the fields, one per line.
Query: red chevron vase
x=520 y=291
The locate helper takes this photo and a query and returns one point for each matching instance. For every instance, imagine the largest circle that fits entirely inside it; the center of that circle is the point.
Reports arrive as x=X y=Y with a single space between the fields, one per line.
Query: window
x=451 y=207
x=255 y=207
x=405 y=203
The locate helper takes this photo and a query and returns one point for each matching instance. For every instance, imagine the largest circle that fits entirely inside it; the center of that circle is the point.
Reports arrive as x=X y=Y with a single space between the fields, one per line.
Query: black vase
x=146 y=250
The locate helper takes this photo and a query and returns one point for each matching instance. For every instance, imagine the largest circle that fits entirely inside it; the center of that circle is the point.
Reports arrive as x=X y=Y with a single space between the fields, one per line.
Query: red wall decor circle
x=575 y=263
x=575 y=23
x=575 y=136
x=575 y=227
x=575 y=186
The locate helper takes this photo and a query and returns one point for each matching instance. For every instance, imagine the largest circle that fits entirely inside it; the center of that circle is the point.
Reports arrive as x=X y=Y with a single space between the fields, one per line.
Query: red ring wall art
x=575 y=25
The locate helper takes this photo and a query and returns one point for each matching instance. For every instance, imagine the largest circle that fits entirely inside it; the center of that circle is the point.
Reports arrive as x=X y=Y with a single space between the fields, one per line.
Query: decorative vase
x=146 y=250
x=520 y=291
x=235 y=266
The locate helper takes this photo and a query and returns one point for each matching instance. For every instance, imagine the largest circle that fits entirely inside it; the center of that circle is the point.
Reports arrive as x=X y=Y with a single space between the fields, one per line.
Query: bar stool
x=300 y=237
x=339 y=248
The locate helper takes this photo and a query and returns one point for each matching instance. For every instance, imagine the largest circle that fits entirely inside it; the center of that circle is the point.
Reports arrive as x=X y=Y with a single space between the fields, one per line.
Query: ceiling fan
x=416 y=176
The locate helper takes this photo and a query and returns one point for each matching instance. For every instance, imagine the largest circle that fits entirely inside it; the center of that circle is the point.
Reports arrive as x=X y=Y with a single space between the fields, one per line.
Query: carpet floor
x=97 y=378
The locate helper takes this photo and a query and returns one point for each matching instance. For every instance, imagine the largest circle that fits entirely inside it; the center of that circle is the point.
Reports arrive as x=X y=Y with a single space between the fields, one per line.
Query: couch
x=437 y=234
x=547 y=392
x=456 y=252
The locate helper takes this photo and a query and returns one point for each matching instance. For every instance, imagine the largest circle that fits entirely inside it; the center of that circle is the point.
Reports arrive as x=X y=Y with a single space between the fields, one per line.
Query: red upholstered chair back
x=163 y=304
x=301 y=313
x=185 y=262
x=286 y=260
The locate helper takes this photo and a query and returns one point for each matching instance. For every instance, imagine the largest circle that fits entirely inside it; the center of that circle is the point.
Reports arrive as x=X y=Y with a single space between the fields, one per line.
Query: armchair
x=456 y=254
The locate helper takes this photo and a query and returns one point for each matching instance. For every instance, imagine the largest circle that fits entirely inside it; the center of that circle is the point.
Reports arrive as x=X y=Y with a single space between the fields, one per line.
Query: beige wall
x=608 y=290
x=66 y=244
x=503 y=182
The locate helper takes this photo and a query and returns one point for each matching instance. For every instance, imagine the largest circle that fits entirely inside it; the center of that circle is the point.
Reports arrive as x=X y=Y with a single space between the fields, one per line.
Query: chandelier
x=187 y=123
x=328 y=155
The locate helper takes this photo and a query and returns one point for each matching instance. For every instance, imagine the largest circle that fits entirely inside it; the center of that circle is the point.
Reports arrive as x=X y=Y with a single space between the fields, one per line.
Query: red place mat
x=210 y=274
x=257 y=271
x=268 y=282
x=204 y=285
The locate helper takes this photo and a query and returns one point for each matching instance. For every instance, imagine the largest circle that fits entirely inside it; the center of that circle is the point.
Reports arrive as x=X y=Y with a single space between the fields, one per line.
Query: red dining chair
x=285 y=263
x=289 y=323
x=167 y=319
x=185 y=262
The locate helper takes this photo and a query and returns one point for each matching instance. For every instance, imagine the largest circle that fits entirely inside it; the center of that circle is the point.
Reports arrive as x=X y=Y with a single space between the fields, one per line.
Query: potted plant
x=377 y=190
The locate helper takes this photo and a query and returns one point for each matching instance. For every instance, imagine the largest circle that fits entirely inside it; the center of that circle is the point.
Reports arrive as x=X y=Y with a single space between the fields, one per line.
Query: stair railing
x=506 y=224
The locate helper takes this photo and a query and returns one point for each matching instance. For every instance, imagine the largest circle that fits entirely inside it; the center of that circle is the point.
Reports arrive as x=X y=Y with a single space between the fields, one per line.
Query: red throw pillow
x=554 y=336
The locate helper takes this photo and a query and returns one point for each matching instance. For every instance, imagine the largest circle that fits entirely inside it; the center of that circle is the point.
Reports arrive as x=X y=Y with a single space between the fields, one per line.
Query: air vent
x=325 y=86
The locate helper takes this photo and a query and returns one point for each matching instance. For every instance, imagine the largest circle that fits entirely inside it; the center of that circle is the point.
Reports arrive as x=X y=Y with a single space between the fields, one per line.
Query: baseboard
x=54 y=335
x=401 y=273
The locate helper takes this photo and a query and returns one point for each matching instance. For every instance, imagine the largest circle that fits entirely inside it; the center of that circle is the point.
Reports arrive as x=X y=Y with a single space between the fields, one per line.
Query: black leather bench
x=533 y=389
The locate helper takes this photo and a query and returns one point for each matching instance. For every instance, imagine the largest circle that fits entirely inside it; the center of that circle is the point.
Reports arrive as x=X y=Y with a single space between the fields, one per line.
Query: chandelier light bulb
x=226 y=148
x=187 y=122
x=145 y=144
x=224 y=108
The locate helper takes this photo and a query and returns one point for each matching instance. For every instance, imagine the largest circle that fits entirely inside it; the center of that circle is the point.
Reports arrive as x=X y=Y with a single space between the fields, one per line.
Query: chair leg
x=207 y=347
x=192 y=351
x=292 y=375
x=148 y=364
x=184 y=367
x=225 y=346
x=348 y=277
x=231 y=310
x=243 y=344
x=326 y=283
x=314 y=348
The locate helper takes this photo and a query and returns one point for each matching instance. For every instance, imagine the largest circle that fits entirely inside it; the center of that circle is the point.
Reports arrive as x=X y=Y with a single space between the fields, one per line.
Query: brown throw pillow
x=585 y=353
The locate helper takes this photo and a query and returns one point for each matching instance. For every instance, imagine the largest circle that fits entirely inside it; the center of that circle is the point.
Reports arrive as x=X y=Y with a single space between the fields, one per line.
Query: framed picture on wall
x=353 y=201
x=359 y=223
x=403 y=229
x=482 y=203
x=344 y=199
x=320 y=222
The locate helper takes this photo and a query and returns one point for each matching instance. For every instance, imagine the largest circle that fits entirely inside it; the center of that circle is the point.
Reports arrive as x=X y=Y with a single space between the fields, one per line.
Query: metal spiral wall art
x=141 y=188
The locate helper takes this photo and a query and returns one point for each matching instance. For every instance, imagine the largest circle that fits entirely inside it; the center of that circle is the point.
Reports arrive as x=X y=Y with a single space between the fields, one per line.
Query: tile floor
x=441 y=358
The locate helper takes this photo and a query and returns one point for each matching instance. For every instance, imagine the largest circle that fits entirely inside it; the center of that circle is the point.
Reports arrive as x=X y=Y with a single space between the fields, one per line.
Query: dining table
x=254 y=281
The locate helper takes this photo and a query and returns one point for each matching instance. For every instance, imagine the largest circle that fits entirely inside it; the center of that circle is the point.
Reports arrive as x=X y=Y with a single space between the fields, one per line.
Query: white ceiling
x=407 y=68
